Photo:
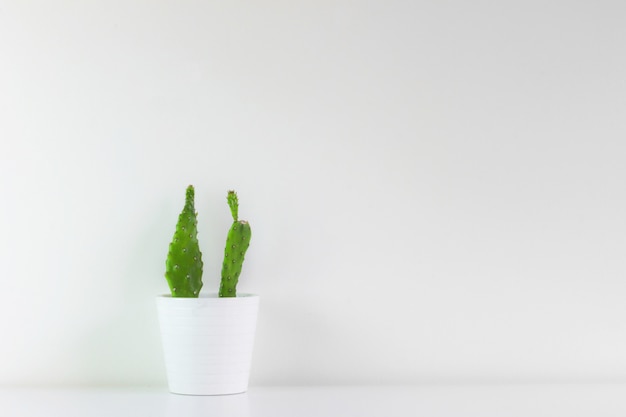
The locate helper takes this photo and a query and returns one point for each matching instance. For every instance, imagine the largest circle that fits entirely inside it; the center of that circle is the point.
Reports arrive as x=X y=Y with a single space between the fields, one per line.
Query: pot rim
x=211 y=295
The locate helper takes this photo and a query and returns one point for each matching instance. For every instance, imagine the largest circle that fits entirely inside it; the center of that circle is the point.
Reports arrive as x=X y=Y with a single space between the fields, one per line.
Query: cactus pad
x=183 y=267
x=237 y=243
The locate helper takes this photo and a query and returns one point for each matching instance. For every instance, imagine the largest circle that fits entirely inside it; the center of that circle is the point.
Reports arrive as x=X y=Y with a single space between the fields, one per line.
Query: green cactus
x=237 y=244
x=183 y=267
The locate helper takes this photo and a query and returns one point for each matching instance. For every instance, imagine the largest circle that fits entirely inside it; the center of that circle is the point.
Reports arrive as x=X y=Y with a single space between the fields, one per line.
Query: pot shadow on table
x=290 y=343
x=122 y=347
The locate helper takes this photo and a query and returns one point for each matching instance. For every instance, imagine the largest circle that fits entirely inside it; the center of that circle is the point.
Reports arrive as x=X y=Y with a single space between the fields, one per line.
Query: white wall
x=436 y=189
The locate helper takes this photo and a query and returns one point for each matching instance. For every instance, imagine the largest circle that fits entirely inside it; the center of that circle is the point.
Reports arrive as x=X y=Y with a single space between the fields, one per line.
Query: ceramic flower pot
x=208 y=342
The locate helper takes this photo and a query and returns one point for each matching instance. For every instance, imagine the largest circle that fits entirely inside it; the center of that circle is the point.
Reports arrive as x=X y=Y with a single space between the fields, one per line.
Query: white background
x=436 y=189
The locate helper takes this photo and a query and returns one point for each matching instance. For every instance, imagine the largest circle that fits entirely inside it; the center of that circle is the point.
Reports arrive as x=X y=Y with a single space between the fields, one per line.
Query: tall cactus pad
x=237 y=243
x=183 y=267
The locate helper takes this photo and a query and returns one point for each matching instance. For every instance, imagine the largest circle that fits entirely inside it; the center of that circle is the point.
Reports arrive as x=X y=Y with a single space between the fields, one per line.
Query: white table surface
x=554 y=400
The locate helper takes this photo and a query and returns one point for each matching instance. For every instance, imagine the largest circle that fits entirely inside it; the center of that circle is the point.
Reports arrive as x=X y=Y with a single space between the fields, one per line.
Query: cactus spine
x=237 y=243
x=183 y=267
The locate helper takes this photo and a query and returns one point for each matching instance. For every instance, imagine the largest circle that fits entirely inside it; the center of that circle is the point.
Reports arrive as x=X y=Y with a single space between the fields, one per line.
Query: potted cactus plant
x=207 y=338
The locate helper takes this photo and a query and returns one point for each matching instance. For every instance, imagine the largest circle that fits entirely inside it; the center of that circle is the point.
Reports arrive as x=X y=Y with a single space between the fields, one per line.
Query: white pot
x=207 y=342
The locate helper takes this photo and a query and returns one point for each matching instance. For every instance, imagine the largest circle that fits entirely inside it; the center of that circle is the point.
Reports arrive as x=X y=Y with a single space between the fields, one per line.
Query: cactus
x=237 y=243
x=183 y=267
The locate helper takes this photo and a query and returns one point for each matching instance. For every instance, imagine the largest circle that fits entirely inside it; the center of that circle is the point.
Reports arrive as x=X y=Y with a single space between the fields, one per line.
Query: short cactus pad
x=237 y=243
